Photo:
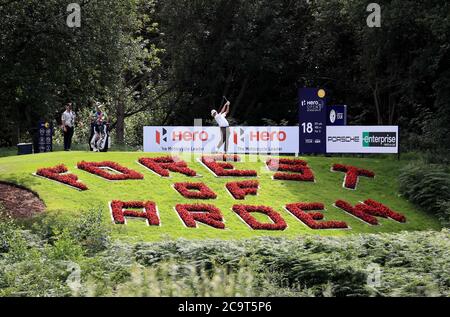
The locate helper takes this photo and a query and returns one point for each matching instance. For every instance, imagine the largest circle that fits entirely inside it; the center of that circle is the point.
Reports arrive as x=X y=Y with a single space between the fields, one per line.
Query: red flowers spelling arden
x=162 y=166
x=149 y=211
x=57 y=174
x=222 y=169
x=369 y=211
x=352 y=174
x=300 y=169
x=207 y=214
x=299 y=210
x=195 y=191
x=98 y=168
x=244 y=212
x=241 y=189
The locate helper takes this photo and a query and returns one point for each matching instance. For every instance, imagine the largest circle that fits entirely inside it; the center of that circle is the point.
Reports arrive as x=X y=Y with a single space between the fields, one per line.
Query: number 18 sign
x=313 y=120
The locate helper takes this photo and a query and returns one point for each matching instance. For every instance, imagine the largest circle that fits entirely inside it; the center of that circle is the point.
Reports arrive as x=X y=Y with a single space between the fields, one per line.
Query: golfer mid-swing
x=223 y=124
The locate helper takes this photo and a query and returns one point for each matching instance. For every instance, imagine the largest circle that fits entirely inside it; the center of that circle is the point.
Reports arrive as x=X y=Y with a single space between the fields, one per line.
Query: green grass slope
x=327 y=189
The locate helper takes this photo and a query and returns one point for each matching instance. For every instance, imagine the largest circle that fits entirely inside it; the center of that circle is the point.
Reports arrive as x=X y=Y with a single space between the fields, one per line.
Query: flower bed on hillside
x=299 y=210
x=148 y=211
x=57 y=174
x=369 y=210
x=226 y=169
x=163 y=165
x=300 y=171
x=207 y=214
x=100 y=169
x=352 y=174
x=244 y=212
x=195 y=191
x=241 y=189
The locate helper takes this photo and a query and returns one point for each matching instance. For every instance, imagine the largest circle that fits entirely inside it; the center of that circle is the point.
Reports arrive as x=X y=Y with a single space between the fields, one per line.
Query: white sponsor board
x=362 y=139
x=205 y=139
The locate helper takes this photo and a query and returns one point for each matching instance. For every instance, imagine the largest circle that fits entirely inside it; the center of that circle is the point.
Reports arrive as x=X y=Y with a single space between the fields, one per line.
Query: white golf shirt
x=221 y=120
x=68 y=118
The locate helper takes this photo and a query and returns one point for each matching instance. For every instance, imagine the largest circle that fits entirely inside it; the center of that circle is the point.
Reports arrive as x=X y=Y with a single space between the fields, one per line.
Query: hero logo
x=260 y=136
x=238 y=136
x=159 y=134
x=182 y=136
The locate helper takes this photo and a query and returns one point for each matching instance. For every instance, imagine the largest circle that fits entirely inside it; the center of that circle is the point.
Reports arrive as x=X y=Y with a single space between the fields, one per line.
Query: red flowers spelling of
x=98 y=168
x=300 y=169
x=241 y=189
x=352 y=174
x=310 y=218
x=244 y=212
x=222 y=169
x=207 y=214
x=56 y=174
x=370 y=210
x=149 y=211
x=195 y=190
x=162 y=166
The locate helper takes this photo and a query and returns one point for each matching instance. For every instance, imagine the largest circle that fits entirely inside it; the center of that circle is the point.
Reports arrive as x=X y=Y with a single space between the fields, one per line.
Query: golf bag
x=100 y=139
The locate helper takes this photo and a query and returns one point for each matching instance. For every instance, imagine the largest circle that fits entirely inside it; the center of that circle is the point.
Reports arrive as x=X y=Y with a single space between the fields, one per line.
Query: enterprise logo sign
x=379 y=139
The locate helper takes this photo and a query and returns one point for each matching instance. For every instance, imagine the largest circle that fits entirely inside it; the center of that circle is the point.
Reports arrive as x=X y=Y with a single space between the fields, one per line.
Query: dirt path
x=19 y=202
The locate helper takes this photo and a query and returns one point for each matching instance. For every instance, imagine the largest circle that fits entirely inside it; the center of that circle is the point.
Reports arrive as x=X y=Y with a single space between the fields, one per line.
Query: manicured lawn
x=327 y=189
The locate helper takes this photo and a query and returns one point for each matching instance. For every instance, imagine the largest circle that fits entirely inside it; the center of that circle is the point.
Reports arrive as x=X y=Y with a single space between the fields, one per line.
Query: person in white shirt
x=221 y=120
x=68 y=125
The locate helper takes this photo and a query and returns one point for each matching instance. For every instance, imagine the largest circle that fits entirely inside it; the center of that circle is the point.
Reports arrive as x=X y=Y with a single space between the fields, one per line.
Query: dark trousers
x=68 y=134
x=225 y=131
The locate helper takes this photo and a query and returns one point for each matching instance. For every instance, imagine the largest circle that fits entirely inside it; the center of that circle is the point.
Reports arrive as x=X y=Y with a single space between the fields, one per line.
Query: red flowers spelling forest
x=311 y=214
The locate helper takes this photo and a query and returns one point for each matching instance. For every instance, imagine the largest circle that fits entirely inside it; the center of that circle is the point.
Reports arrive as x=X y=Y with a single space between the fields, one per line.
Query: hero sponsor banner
x=265 y=139
x=312 y=120
x=205 y=139
x=362 y=139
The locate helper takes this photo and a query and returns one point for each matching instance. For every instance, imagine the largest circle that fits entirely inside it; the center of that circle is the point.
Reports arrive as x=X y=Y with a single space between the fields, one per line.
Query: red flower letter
x=352 y=174
x=244 y=212
x=241 y=189
x=99 y=169
x=57 y=174
x=207 y=214
x=300 y=169
x=162 y=166
x=310 y=219
x=149 y=211
x=225 y=168
x=369 y=211
x=195 y=191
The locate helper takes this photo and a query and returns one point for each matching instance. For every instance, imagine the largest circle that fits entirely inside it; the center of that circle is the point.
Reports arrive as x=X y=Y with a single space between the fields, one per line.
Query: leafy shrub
x=427 y=186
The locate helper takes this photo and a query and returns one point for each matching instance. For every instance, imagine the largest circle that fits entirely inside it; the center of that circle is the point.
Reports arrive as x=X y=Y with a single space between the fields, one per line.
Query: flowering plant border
x=299 y=210
x=369 y=210
x=239 y=190
x=300 y=170
x=225 y=169
x=149 y=212
x=195 y=190
x=97 y=168
x=60 y=175
x=190 y=214
x=243 y=211
x=162 y=165
x=352 y=174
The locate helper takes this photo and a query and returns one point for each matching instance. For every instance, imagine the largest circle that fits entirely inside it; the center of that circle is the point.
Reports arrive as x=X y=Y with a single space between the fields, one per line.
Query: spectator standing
x=68 y=124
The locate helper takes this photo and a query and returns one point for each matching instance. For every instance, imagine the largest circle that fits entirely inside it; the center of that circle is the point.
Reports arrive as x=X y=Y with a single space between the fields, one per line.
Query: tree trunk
x=120 y=123
x=377 y=105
